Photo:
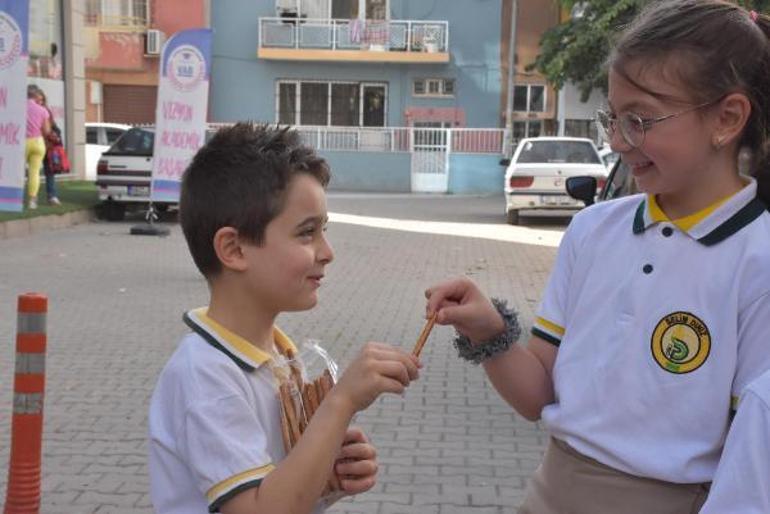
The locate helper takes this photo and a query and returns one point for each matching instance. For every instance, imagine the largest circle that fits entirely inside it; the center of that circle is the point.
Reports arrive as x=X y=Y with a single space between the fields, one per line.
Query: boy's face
x=286 y=270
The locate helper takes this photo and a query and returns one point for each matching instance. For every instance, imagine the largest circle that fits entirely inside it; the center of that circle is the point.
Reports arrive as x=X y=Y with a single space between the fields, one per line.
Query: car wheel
x=112 y=211
x=513 y=217
x=161 y=207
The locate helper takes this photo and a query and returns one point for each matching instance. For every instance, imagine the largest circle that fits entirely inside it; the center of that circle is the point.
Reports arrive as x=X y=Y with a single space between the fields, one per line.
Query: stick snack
x=299 y=400
x=424 y=335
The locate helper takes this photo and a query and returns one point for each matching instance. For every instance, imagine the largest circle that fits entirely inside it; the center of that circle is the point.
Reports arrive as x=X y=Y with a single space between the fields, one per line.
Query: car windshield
x=136 y=141
x=569 y=152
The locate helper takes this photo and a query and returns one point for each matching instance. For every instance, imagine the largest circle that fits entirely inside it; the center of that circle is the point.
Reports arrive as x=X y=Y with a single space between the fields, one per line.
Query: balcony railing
x=355 y=34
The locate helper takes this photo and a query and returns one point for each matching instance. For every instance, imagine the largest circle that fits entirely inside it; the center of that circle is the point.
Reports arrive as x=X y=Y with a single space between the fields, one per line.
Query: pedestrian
x=742 y=480
x=38 y=128
x=656 y=313
x=253 y=211
x=54 y=156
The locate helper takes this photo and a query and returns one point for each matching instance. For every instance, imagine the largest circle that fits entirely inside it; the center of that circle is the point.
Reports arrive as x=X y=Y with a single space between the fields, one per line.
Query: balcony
x=384 y=41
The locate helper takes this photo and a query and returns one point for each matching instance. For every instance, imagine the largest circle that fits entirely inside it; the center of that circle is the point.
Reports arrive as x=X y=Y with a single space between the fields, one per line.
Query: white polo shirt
x=742 y=482
x=214 y=427
x=658 y=325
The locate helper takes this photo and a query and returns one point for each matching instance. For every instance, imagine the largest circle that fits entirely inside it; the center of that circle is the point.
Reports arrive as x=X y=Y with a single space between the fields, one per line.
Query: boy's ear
x=734 y=113
x=227 y=246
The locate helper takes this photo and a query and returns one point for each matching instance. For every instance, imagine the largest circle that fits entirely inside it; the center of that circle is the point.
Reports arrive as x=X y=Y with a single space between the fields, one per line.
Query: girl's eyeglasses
x=633 y=127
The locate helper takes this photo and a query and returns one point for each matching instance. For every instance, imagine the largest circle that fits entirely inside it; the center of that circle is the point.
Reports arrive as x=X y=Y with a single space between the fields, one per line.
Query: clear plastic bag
x=302 y=382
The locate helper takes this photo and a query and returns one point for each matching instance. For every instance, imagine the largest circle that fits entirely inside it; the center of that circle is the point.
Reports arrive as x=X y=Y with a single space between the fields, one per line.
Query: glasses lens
x=632 y=129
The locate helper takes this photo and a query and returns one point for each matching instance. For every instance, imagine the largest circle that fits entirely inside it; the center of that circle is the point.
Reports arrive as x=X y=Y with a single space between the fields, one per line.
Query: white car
x=99 y=137
x=536 y=174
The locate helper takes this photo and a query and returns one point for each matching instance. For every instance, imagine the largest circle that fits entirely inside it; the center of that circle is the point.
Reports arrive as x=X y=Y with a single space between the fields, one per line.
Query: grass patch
x=75 y=195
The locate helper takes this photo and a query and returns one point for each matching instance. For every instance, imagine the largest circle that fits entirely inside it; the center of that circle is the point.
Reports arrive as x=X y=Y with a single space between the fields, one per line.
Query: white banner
x=14 y=21
x=180 y=118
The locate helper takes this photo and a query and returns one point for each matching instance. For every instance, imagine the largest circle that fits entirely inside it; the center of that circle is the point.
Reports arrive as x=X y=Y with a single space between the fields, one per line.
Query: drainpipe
x=511 y=75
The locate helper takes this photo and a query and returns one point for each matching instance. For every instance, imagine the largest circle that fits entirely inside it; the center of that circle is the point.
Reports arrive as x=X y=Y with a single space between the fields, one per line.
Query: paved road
x=449 y=446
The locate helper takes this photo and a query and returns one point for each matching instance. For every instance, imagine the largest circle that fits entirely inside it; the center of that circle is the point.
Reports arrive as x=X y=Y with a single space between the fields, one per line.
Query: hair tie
x=754 y=16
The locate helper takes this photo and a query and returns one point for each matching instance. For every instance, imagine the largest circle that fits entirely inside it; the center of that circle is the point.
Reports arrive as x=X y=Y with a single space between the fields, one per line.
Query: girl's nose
x=325 y=251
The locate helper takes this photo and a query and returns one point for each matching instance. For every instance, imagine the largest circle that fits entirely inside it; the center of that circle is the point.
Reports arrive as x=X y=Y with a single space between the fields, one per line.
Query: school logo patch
x=681 y=342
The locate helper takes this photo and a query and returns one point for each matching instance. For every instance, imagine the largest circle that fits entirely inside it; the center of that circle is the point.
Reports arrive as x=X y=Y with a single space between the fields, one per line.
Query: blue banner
x=14 y=29
x=180 y=117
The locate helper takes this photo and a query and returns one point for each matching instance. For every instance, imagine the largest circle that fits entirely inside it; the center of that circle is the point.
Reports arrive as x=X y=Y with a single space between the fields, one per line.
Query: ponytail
x=761 y=128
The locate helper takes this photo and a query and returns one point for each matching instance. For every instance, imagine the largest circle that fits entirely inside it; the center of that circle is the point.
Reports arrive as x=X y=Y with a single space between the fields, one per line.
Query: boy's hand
x=379 y=368
x=357 y=463
x=460 y=303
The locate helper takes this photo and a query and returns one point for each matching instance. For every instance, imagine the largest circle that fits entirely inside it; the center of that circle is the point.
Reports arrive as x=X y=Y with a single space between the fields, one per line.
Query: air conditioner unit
x=154 y=40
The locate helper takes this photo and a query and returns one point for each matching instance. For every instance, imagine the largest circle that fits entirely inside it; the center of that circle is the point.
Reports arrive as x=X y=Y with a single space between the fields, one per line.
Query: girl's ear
x=733 y=113
x=227 y=246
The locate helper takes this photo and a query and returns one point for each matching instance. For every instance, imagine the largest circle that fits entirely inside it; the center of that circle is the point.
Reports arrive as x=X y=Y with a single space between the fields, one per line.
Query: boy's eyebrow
x=322 y=220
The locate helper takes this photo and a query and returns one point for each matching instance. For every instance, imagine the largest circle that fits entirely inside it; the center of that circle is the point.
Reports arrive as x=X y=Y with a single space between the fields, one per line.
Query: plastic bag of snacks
x=303 y=381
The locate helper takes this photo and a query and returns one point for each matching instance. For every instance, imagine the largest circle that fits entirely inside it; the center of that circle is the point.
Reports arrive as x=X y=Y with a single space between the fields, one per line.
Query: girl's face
x=675 y=153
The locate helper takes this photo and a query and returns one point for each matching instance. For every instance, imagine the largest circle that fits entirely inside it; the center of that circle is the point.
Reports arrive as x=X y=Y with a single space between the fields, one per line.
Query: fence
x=354 y=34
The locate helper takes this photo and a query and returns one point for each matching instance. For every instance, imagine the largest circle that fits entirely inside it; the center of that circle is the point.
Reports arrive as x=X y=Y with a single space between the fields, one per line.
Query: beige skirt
x=568 y=482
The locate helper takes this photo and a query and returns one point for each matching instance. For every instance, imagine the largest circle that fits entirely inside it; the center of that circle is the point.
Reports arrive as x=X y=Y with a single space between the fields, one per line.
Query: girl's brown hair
x=721 y=49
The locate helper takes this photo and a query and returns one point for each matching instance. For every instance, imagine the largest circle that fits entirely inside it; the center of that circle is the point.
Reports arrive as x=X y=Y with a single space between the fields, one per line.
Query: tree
x=576 y=50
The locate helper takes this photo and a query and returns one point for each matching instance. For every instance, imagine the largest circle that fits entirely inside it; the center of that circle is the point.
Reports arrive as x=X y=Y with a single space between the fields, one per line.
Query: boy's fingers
x=352 y=486
x=358 y=451
x=356 y=468
x=394 y=370
x=355 y=435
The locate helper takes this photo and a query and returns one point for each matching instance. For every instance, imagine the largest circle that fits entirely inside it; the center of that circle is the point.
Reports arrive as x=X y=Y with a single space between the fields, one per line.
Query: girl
x=655 y=314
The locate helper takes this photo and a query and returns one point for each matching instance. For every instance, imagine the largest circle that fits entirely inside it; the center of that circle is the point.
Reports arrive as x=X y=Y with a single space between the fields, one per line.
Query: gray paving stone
x=450 y=445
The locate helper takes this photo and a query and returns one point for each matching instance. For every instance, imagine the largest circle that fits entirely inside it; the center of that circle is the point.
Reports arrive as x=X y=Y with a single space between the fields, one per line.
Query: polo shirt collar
x=247 y=356
x=711 y=225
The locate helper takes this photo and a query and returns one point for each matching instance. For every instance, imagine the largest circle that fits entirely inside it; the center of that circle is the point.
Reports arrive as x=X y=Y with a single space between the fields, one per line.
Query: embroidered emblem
x=681 y=342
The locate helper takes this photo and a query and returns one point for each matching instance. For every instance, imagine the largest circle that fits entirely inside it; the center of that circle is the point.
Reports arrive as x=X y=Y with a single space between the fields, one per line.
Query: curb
x=25 y=227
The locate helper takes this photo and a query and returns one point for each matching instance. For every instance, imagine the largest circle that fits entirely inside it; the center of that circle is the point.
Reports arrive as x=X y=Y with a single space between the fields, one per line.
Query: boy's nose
x=325 y=252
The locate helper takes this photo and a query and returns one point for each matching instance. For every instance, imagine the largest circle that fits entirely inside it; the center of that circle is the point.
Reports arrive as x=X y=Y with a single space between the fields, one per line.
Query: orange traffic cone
x=23 y=495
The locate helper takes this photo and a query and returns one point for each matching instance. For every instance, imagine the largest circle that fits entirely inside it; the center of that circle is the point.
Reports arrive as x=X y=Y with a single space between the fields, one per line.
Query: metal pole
x=511 y=75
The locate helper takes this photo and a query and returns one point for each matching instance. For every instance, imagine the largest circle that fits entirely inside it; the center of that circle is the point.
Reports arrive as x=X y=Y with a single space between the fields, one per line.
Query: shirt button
x=647 y=269
x=668 y=231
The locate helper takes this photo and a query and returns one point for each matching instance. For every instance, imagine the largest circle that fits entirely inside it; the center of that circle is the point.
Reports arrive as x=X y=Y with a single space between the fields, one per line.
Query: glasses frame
x=645 y=123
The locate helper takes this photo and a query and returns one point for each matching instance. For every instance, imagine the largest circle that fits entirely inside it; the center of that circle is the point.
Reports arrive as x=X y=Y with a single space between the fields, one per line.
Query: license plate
x=556 y=200
x=138 y=191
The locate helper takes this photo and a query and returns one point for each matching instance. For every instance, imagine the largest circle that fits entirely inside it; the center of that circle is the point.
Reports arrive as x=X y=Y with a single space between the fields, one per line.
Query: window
x=113 y=135
x=434 y=87
x=92 y=136
x=529 y=128
x=136 y=141
x=343 y=104
x=128 y=13
x=570 y=152
x=529 y=98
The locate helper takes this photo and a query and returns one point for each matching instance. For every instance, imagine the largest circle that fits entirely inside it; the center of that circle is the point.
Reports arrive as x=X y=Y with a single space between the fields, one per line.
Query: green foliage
x=576 y=50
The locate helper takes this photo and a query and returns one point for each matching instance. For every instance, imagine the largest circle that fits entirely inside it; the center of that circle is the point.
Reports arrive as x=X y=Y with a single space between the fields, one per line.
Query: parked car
x=536 y=173
x=124 y=174
x=619 y=183
x=99 y=138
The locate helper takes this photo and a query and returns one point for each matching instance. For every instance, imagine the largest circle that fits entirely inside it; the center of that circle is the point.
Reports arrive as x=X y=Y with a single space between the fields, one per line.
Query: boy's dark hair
x=722 y=48
x=240 y=179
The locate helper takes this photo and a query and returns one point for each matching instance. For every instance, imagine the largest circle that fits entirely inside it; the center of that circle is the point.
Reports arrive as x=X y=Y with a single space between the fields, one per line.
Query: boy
x=253 y=211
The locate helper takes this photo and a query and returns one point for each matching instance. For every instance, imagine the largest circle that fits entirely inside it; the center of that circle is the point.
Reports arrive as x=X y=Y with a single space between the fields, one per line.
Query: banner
x=180 y=118
x=14 y=23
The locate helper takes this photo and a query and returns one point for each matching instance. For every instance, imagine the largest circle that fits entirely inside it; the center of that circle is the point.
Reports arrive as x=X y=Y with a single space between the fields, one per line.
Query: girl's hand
x=357 y=463
x=460 y=303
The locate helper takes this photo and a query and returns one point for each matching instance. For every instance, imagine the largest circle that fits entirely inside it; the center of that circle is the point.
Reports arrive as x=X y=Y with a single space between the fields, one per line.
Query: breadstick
x=291 y=414
x=424 y=335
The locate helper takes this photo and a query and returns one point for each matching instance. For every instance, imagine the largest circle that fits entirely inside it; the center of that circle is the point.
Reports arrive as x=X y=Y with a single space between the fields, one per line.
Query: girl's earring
x=717 y=143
